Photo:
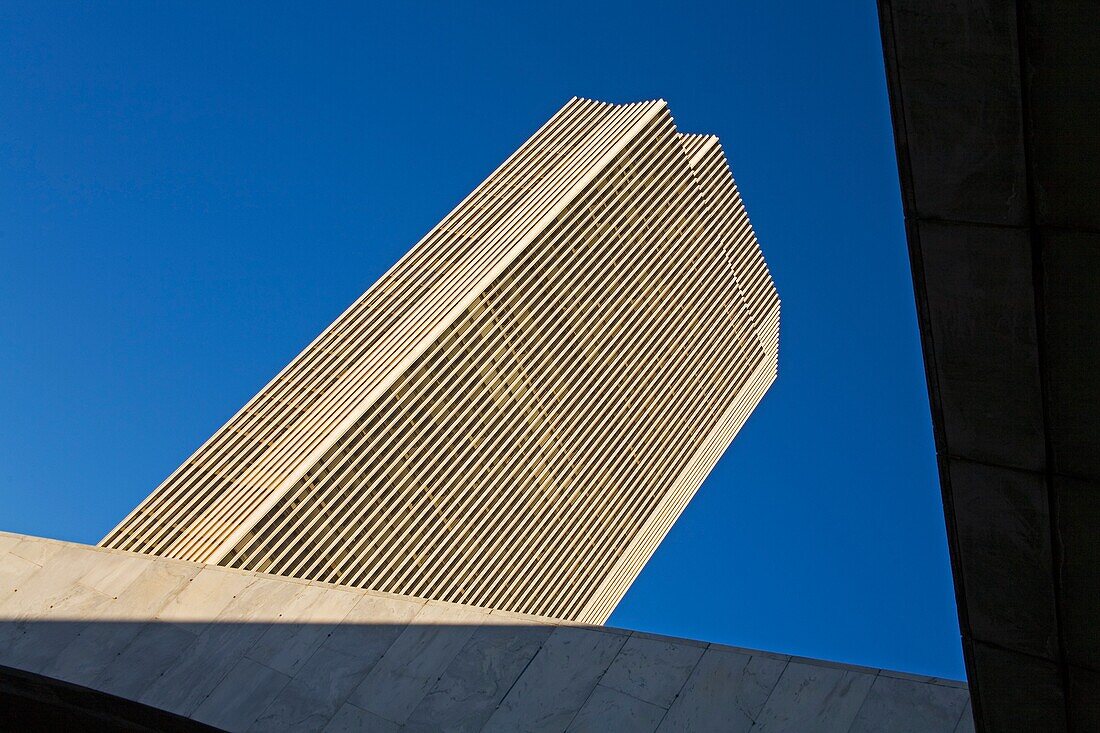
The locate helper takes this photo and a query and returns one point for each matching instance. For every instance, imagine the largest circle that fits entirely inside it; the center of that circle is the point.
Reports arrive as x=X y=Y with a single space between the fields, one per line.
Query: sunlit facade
x=517 y=412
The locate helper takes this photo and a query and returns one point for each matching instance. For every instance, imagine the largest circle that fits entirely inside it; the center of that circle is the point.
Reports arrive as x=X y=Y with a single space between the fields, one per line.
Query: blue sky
x=189 y=194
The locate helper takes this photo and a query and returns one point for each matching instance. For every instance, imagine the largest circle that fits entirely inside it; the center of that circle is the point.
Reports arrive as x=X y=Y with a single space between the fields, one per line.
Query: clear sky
x=189 y=194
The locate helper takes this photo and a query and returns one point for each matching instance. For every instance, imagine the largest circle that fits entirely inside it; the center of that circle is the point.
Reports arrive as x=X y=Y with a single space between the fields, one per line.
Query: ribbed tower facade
x=517 y=412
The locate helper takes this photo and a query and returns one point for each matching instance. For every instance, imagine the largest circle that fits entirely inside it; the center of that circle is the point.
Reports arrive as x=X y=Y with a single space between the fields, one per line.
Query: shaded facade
x=995 y=110
x=517 y=412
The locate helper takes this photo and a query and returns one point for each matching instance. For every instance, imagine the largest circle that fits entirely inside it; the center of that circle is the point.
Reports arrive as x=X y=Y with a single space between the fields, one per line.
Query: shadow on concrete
x=33 y=702
x=491 y=676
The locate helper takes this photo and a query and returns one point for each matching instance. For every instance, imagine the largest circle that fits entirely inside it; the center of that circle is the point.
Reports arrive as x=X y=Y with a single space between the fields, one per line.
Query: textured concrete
x=247 y=651
x=996 y=108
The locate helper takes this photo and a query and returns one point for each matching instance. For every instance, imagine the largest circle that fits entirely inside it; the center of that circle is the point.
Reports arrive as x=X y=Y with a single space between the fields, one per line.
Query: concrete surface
x=996 y=111
x=247 y=651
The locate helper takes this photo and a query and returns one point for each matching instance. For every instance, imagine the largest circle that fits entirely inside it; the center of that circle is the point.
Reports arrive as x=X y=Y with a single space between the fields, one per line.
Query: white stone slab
x=813 y=697
x=302 y=627
x=32 y=645
x=112 y=572
x=52 y=586
x=476 y=681
x=219 y=646
x=372 y=626
x=897 y=705
x=92 y=650
x=153 y=589
x=725 y=691
x=558 y=681
x=14 y=571
x=611 y=711
x=411 y=666
x=350 y=650
x=323 y=683
x=241 y=697
x=8 y=540
x=351 y=719
x=153 y=650
x=118 y=621
x=38 y=550
x=651 y=669
x=205 y=596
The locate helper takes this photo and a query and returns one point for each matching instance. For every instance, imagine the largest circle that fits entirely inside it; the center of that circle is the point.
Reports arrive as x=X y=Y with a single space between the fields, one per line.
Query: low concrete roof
x=240 y=650
x=996 y=109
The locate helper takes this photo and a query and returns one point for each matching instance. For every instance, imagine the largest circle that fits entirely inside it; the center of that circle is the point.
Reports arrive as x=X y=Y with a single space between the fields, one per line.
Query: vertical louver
x=516 y=413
